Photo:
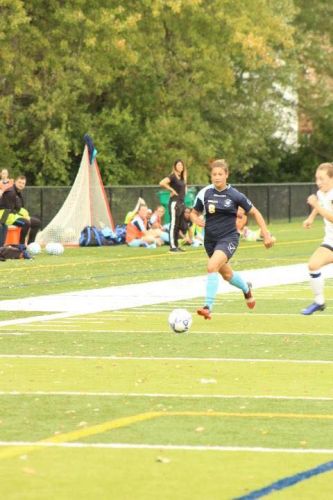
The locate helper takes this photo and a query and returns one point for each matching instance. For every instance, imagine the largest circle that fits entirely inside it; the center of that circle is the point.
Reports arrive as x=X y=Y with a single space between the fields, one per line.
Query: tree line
x=155 y=80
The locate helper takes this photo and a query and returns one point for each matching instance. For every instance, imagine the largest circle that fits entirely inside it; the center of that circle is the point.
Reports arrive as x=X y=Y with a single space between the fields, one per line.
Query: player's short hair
x=326 y=167
x=220 y=164
x=21 y=177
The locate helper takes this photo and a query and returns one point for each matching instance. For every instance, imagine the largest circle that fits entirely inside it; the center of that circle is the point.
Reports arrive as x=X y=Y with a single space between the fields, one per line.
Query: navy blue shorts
x=228 y=245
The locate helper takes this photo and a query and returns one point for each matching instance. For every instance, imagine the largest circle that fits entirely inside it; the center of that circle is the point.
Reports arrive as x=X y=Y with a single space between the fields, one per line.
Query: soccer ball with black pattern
x=180 y=320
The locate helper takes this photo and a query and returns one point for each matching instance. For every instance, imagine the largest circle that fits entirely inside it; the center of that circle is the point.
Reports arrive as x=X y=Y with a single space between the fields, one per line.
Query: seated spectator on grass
x=138 y=234
x=156 y=222
x=186 y=228
x=132 y=213
x=198 y=234
x=245 y=232
x=241 y=220
x=12 y=212
x=5 y=181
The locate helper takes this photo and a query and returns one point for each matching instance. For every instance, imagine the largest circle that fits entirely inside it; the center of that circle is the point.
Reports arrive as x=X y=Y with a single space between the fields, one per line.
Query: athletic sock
x=317 y=285
x=238 y=282
x=212 y=285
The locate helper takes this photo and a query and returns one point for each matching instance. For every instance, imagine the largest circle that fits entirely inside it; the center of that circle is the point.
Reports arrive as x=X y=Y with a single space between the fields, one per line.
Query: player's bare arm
x=314 y=203
x=165 y=183
x=309 y=220
x=267 y=237
x=196 y=218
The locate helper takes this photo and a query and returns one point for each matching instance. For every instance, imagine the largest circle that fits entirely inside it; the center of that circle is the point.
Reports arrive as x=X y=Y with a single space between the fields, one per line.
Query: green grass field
x=116 y=406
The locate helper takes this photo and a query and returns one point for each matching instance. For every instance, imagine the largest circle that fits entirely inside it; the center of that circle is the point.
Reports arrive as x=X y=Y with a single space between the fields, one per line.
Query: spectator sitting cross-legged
x=138 y=234
x=156 y=222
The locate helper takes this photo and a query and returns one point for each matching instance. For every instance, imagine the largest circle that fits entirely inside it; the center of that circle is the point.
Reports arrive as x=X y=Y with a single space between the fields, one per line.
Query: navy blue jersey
x=220 y=210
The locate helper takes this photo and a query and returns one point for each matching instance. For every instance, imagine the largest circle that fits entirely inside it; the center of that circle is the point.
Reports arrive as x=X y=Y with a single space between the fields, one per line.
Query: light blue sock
x=212 y=285
x=238 y=282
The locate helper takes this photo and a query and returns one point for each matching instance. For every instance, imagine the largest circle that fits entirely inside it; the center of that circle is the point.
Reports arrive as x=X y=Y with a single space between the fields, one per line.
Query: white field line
x=129 y=296
x=197 y=332
x=51 y=317
x=16 y=334
x=171 y=447
x=164 y=395
x=33 y=319
x=153 y=310
x=166 y=358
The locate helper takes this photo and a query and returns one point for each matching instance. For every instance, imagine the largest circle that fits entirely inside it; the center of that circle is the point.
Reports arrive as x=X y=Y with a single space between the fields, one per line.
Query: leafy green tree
x=202 y=85
x=314 y=45
x=150 y=80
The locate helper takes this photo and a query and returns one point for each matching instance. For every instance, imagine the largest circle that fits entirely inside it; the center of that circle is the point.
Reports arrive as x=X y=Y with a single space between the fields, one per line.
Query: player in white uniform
x=321 y=204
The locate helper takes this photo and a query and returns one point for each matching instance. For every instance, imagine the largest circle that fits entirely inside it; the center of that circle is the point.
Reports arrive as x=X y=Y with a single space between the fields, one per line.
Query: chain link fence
x=275 y=201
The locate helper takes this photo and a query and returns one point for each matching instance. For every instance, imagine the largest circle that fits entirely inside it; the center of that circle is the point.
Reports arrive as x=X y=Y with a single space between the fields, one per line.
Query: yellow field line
x=80 y=433
x=142 y=417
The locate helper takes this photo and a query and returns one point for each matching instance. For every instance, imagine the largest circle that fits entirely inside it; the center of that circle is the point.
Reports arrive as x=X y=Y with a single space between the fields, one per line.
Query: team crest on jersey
x=227 y=203
x=211 y=208
x=231 y=247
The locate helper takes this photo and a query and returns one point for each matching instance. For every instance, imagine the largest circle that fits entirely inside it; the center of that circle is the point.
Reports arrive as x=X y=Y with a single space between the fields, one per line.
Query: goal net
x=85 y=205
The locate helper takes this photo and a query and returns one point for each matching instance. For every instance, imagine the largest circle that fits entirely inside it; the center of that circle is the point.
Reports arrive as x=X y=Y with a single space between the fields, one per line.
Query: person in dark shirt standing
x=219 y=203
x=12 y=211
x=176 y=184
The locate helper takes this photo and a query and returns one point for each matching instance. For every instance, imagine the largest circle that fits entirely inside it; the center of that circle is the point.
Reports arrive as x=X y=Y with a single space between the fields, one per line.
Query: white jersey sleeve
x=326 y=202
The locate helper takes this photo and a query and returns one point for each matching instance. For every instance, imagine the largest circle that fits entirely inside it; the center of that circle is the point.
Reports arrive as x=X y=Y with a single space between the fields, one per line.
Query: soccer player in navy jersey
x=219 y=203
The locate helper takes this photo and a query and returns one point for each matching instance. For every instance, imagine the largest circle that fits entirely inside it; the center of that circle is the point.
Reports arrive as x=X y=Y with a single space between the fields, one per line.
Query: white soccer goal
x=85 y=205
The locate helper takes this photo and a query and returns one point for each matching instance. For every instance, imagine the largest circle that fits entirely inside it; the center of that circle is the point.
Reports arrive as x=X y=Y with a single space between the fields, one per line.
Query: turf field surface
x=115 y=405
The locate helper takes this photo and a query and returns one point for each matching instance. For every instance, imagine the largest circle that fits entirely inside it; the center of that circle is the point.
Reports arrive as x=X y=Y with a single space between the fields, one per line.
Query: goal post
x=85 y=205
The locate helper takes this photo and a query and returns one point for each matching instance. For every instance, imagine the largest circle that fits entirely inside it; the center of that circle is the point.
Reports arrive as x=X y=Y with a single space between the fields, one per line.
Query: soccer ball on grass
x=180 y=320
x=34 y=248
x=54 y=249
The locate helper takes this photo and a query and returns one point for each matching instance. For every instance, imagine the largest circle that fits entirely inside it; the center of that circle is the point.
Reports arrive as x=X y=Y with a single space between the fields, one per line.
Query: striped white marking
x=163 y=395
x=167 y=358
x=32 y=319
x=196 y=332
x=175 y=447
x=129 y=296
x=17 y=334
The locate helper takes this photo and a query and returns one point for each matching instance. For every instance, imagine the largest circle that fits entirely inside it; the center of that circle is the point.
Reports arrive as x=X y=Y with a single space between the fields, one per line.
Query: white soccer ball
x=54 y=249
x=180 y=320
x=34 y=248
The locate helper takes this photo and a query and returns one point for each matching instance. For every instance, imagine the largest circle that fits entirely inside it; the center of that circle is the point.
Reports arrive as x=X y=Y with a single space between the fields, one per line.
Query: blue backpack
x=120 y=231
x=91 y=237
